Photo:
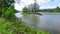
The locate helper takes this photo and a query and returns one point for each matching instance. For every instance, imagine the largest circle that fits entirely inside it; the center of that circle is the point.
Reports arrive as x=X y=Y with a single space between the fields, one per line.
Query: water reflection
x=31 y=19
x=48 y=21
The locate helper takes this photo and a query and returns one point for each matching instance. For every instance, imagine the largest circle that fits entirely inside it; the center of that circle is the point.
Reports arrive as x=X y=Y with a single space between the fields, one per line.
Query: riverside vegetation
x=8 y=23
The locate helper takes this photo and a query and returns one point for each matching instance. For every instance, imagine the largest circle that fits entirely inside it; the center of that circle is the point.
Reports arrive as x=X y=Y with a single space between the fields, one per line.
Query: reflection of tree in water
x=35 y=20
x=31 y=20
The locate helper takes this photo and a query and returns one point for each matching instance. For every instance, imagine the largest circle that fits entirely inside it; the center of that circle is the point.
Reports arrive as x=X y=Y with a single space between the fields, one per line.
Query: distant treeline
x=57 y=9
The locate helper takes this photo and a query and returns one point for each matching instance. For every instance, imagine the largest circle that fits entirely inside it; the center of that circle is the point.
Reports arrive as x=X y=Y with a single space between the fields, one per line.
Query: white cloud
x=18 y=7
x=51 y=7
x=27 y=2
x=42 y=1
x=20 y=4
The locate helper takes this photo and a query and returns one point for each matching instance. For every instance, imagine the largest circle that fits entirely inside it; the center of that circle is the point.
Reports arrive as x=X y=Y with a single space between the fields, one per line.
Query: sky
x=44 y=4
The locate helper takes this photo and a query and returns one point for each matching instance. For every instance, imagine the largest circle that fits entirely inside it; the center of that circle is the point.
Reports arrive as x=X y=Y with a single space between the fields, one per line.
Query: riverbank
x=7 y=27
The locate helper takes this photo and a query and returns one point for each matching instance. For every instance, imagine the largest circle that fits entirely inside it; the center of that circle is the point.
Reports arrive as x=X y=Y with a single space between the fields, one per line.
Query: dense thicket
x=6 y=9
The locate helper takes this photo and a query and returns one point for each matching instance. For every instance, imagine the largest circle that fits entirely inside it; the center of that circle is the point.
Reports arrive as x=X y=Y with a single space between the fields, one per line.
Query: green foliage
x=57 y=9
x=4 y=5
x=42 y=32
x=9 y=13
x=7 y=27
x=33 y=8
x=25 y=10
x=7 y=9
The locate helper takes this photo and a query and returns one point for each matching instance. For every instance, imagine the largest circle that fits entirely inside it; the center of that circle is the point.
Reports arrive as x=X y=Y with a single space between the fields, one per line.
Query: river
x=48 y=21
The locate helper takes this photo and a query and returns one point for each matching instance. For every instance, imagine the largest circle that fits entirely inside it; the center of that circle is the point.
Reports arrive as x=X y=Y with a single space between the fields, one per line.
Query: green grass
x=7 y=27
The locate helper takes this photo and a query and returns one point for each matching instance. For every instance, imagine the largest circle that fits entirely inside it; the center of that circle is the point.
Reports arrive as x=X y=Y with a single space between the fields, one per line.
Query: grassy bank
x=7 y=27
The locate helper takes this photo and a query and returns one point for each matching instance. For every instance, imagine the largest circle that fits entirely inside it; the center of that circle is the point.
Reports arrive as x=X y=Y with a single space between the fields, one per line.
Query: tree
x=9 y=13
x=57 y=9
x=4 y=5
x=25 y=10
x=7 y=10
x=33 y=7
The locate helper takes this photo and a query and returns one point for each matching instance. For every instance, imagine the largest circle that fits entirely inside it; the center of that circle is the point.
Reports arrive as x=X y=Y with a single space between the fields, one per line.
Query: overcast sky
x=44 y=4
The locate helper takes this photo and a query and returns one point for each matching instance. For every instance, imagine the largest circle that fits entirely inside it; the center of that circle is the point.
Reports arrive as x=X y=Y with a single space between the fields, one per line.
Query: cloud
x=48 y=7
x=27 y=2
x=20 y=4
x=18 y=7
x=42 y=1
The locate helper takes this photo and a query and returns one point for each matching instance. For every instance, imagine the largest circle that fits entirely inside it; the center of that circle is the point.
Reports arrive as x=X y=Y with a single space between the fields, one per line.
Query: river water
x=48 y=21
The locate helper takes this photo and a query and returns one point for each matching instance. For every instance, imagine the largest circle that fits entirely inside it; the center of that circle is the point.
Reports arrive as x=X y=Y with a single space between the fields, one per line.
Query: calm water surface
x=49 y=21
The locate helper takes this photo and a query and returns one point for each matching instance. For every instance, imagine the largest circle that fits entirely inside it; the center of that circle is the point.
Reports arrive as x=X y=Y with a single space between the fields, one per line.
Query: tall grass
x=7 y=27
